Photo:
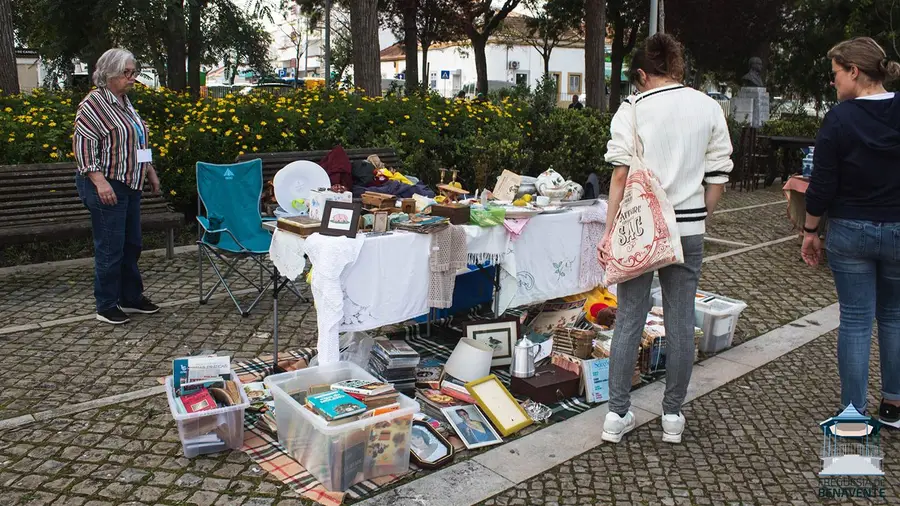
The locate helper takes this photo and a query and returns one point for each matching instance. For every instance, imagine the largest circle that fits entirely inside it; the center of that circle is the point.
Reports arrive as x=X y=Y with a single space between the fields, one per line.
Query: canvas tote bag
x=645 y=237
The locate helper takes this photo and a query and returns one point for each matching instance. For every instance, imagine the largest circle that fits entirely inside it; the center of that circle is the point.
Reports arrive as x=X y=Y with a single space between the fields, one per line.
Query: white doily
x=330 y=256
x=286 y=253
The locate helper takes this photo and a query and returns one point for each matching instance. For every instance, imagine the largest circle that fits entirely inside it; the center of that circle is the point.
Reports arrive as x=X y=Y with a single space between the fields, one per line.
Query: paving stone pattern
x=755 y=441
x=735 y=198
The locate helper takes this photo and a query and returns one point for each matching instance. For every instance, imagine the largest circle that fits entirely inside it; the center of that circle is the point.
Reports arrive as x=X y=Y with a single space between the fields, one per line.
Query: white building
x=451 y=66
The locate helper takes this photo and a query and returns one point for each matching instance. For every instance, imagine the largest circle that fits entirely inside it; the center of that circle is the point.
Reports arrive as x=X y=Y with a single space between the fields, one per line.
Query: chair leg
x=200 y=269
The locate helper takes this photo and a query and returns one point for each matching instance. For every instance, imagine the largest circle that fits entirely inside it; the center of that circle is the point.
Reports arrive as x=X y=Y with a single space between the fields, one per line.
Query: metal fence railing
x=854 y=449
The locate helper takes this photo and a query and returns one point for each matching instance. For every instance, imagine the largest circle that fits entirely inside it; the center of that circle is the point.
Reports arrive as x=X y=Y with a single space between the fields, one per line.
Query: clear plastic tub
x=209 y=431
x=715 y=315
x=342 y=455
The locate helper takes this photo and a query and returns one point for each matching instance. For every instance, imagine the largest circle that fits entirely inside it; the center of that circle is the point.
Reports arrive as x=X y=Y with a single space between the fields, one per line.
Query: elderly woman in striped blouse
x=112 y=152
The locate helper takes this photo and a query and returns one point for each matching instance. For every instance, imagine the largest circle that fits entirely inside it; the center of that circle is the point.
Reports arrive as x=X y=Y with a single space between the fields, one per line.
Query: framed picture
x=495 y=400
x=428 y=448
x=381 y=221
x=340 y=218
x=501 y=335
x=471 y=425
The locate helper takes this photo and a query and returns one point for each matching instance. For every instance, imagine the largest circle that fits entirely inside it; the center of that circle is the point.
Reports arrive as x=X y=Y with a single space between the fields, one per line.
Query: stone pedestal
x=751 y=106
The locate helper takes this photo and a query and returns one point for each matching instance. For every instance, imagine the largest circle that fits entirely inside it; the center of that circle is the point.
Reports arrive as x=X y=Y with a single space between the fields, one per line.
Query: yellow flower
x=284 y=134
x=403 y=134
x=262 y=123
x=320 y=122
x=302 y=131
x=172 y=192
x=406 y=116
x=421 y=141
x=54 y=155
x=280 y=120
x=227 y=133
x=201 y=130
x=235 y=119
x=258 y=137
x=240 y=153
x=8 y=109
x=254 y=148
x=29 y=135
x=390 y=121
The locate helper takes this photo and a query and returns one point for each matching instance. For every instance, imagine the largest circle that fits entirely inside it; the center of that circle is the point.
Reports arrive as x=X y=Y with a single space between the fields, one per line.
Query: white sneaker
x=673 y=427
x=615 y=426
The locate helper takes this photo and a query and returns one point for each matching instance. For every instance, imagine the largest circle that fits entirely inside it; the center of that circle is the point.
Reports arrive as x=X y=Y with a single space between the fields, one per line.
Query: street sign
x=401 y=76
x=445 y=74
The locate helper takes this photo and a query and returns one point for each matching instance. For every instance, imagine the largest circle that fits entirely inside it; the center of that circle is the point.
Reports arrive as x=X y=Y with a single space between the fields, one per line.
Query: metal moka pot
x=523 y=360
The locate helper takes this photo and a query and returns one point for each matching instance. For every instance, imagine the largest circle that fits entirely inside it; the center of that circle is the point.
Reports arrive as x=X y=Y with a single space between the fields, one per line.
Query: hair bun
x=891 y=70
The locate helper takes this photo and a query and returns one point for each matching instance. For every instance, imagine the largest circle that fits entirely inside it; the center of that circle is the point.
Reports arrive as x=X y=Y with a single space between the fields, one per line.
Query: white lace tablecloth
x=384 y=279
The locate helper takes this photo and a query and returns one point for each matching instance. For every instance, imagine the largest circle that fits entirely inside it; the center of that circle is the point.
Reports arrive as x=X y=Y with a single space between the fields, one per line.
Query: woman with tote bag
x=667 y=141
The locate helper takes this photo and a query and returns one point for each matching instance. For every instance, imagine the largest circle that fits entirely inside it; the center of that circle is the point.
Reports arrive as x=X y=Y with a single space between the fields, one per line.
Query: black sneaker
x=143 y=307
x=113 y=316
x=889 y=414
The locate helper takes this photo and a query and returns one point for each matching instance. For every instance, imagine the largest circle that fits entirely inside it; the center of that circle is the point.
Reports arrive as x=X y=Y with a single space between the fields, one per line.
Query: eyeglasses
x=129 y=73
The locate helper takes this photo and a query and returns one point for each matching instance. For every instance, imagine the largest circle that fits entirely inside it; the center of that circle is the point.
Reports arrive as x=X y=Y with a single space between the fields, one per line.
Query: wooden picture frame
x=499 y=405
x=381 y=221
x=500 y=334
x=340 y=218
x=430 y=437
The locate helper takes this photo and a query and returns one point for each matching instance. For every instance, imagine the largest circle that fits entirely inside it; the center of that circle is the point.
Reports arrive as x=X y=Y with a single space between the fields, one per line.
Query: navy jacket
x=856 y=165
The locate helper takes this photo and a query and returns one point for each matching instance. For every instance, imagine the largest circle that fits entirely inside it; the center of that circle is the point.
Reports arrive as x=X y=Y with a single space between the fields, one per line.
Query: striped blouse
x=107 y=138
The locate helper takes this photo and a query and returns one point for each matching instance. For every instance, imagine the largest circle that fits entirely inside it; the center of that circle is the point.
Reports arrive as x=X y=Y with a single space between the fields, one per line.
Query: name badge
x=144 y=155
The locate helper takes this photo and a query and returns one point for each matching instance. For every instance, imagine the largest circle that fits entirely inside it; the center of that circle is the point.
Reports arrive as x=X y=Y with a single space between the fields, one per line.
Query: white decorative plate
x=296 y=180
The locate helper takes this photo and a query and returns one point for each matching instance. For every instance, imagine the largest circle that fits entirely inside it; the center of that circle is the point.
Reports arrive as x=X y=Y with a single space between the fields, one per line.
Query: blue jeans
x=117 y=244
x=865 y=259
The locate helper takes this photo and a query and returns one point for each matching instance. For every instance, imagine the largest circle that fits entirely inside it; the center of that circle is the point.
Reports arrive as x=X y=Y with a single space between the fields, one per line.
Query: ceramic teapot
x=551 y=184
x=574 y=191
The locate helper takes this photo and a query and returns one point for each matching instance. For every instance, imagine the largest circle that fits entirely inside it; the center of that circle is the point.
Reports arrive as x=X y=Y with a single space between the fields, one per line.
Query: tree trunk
x=594 y=58
x=175 y=44
x=410 y=45
x=195 y=45
x=9 y=76
x=479 y=48
x=425 y=60
x=364 y=33
x=617 y=55
x=545 y=55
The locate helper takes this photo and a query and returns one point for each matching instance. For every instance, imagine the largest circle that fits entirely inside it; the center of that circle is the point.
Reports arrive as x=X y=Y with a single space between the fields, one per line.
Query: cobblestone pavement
x=754 y=441
x=130 y=452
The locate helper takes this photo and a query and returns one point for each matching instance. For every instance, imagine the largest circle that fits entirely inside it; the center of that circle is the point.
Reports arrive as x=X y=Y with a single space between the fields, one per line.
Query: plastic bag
x=355 y=347
x=490 y=217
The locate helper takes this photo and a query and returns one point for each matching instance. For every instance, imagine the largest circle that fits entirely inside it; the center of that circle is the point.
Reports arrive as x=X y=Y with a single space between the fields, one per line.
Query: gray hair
x=111 y=64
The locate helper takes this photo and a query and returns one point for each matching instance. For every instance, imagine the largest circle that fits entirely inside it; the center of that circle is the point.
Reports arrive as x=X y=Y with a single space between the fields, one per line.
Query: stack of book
x=378 y=397
x=349 y=400
x=334 y=405
x=456 y=388
x=433 y=401
x=395 y=362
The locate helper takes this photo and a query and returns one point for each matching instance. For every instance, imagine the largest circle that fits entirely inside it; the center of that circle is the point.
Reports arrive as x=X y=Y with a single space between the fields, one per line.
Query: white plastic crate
x=715 y=315
x=342 y=455
x=210 y=431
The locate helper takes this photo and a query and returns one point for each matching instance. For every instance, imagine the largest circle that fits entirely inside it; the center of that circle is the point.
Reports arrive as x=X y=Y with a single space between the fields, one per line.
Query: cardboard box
x=317 y=199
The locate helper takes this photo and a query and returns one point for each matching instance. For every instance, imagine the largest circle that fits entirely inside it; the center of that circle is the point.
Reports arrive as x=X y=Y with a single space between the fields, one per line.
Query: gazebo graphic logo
x=851 y=445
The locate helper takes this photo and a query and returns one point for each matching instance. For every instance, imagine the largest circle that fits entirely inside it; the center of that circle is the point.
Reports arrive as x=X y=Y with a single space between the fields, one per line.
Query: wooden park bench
x=273 y=162
x=39 y=203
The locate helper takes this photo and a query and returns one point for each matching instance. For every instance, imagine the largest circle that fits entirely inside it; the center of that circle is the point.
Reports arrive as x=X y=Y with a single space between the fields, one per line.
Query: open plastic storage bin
x=342 y=455
x=210 y=431
x=715 y=315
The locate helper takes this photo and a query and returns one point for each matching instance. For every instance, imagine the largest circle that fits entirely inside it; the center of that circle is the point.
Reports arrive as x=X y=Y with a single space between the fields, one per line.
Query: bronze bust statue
x=753 y=79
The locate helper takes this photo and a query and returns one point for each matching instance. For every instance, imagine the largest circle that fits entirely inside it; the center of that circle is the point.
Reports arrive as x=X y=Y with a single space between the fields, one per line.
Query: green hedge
x=429 y=132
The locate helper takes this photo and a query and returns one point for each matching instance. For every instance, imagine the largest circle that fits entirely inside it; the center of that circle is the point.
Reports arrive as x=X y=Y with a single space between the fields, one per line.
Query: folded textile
x=515 y=227
x=486 y=244
x=448 y=255
x=590 y=271
x=396 y=188
x=337 y=164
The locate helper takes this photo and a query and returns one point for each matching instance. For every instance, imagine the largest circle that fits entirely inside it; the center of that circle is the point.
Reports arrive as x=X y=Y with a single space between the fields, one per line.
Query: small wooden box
x=549 y=385
x=408 y=206
x=458 y=213
x=378 y=200
x=300 y=225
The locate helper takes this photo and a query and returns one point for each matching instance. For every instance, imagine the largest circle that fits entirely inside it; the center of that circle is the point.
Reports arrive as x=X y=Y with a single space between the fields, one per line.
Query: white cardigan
x=686 y=141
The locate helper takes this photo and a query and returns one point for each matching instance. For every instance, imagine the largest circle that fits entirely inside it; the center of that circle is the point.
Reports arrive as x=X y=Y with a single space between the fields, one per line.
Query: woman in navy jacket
x=856 y=182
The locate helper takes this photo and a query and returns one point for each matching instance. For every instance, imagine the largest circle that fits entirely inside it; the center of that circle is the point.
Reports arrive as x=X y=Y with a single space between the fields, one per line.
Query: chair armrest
x=269 y=218
x=205 y=224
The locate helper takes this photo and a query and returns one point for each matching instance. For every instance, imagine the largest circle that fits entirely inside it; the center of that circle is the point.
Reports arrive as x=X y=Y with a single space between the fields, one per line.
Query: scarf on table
x=448 y=255
x=594 y=220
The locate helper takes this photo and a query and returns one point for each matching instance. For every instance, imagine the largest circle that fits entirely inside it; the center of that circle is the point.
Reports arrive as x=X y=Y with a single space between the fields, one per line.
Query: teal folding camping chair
x=232 y=229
